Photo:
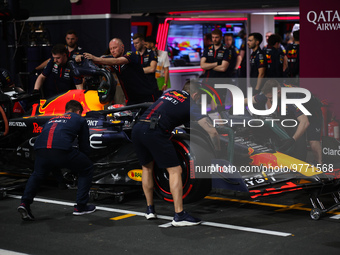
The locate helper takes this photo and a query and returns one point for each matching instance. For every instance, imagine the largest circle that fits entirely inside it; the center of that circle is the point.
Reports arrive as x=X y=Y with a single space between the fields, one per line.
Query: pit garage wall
x=319 y=51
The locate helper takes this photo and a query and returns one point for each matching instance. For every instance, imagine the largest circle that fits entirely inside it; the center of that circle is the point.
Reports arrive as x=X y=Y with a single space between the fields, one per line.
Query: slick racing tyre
x=194 y=189
x=4 y=127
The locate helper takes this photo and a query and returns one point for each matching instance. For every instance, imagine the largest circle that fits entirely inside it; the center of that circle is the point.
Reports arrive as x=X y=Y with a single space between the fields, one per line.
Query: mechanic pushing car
x=54 y=150
x=311 y=124
x=129 y=70
x=59 y=69
x=151 y=138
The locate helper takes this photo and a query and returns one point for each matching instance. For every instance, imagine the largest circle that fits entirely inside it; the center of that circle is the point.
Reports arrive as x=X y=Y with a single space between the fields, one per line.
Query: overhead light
x=276 y=13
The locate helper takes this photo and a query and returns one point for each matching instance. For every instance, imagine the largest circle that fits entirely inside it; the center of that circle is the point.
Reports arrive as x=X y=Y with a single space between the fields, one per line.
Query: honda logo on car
x=17 y=124
x=324 y=20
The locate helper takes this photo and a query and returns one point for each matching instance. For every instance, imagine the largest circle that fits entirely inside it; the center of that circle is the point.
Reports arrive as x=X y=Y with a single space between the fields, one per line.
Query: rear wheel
x=194 y=189
x=4 y=128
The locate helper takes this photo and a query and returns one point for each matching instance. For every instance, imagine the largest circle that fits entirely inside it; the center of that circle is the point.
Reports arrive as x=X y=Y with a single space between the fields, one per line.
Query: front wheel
x=194 y=189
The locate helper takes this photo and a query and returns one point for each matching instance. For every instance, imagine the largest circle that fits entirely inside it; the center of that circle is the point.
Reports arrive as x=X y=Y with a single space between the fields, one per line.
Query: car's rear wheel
x=194 y=188
x=4 y=128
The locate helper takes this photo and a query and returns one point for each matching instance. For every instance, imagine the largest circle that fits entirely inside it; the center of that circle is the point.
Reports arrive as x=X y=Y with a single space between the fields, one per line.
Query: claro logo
x=331 y=152
x=325 y=20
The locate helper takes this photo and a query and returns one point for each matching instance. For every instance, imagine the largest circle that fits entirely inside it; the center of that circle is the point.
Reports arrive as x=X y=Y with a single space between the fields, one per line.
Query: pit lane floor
x=272 y=225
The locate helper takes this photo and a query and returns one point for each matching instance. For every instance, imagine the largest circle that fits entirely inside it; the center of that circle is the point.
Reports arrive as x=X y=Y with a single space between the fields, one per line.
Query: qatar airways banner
x=319 y=51
x=319 y=38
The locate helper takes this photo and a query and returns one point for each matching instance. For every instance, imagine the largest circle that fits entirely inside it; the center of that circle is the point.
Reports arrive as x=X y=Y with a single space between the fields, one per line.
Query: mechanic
x=314 y=129
x=215 y=61
x=149 y=59
x=129 y=71
x=293 y=54
x=60 y=71
x=151 y=138
x=242 y=83
x=54 y=150
x=264 y=101
x=258 y=62
x=275 y=57
x=72 y=47
x=235 y=58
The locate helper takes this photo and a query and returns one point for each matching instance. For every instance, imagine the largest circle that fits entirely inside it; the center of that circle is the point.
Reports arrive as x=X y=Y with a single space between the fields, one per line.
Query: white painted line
x=254 y=230
x=166 y=225
x=6 y=252
x=164 y=217
x=335 y=217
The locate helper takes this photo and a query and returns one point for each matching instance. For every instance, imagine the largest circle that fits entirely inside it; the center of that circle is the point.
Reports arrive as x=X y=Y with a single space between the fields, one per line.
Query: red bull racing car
x=249 y=162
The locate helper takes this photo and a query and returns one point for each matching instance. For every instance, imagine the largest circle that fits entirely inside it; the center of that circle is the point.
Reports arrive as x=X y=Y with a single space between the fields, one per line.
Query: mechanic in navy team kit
x=293 y=53
x=149 y=58
x=54 y=150
x=310 y=124
x=60 y=70
x=275 y=57
x=129 y=70
x=151 y=138
x=234 y=56
x=73 y=49
x=215 y=61
x=258 y=63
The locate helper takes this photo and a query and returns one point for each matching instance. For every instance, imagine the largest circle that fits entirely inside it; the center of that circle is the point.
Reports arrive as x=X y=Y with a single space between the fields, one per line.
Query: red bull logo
x=178 y=94
x=265 y=159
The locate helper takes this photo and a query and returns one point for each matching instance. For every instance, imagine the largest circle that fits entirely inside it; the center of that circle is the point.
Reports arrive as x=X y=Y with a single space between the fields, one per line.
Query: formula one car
x=249 y=162
x=117 y=170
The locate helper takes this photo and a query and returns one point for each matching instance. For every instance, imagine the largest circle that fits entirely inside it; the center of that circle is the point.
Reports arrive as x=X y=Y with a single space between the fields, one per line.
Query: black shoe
x=185 y=220
x=150 y=213
x=25 y=212
x=85 y=209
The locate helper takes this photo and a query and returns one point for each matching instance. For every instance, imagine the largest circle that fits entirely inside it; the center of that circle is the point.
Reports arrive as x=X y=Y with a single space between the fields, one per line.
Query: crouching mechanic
x=151 y=138
x=54 y=150
x=264 y=101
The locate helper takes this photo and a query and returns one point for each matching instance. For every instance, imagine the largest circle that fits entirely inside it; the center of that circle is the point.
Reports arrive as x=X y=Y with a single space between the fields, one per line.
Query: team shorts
x=315 y=126
x=154 y=144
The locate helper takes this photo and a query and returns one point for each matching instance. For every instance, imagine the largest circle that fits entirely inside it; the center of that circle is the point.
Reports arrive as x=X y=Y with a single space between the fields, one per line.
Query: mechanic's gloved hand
x=35 y=91
x=287 y=144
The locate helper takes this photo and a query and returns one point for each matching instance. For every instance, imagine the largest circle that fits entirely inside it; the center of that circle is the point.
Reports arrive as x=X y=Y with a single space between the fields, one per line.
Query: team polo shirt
x=77 y=51
x=60 y=133
x=146 y=58
x=257 y=60
x=62 y=80
x=233 y=54
x=293 y=59
x=133 y=80
x=212 y=56
x=173 y=108
x=275 y=58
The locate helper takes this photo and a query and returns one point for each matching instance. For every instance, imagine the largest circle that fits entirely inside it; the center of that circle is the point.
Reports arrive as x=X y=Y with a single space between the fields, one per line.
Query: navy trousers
x=48 y=160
